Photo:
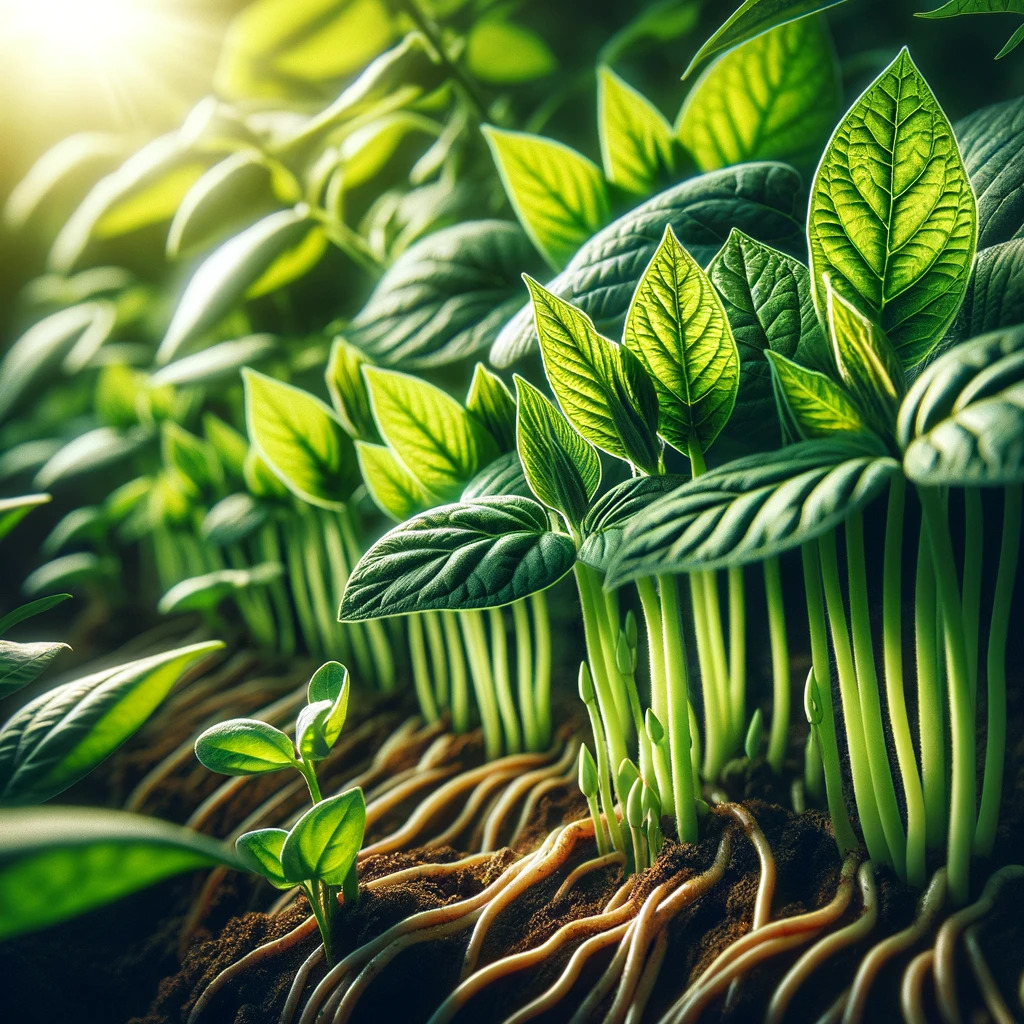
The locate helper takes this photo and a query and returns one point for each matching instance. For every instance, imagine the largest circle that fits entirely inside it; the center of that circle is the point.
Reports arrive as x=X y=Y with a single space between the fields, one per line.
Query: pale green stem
x=779 y=735
x=738 y=647
x=438 y=657
x=270 y=551
x=473 y=633
x=974 y=532
x=524 y=674
x=456 y=672
x=502 y=682
x=421 y=669
x=542 y=667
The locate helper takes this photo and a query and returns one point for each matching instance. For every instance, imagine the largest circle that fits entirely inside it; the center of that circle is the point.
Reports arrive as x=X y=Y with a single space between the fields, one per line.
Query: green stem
x=974 y=532
x=732 y=728
x=300 y=593
x=961 y=708
x=339 y=573
x=899 y=719
x=604 y=780
x=738 y=647
x=320 y=898
x=459 y=693
x=779 y=735
x=312 y=784
x=870 y=703
x=651 y=608
x=860 y=765
x=825 y=728
x=542 y=667
x=714 y=711
x=350 y=887
x=333 y=640
x=931 y=717
x=995 y=740
x=502 y=682
x=473 y=634
x=524 y=674
x=438 y=657
x=421 y=670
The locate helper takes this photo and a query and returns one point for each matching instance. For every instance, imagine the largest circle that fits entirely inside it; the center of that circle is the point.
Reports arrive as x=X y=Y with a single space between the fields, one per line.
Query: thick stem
x=995 y=740
x=779 y=735
x=474 y=635
x=974 y=532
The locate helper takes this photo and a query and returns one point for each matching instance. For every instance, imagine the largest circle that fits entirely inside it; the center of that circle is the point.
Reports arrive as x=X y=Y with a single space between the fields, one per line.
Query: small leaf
x=956 y=7
x=434 y=437
x=191 y=456
x=558 y=195
x=30 y=610
x=594 y=384
x=69 y=572
x=90 y=452
x=20 y=664
x=587 y=773
x=348 y=392
x=502 y=53
x=58 y=862
x=775 y=97
x=751 y=19
x=818 y=405
x=233 y=519
x=892 y=221
x=230 y=445
x=479 y=554
x=59 y=737
x=394 y=490
x=562 y=468
x=677 y=326
x=962 y=423
x=491 y=402
x=637 y=148
x=331 y=683
x=243 y=746
x=309 y=731
x=218 y=362
x=205 y=592
x=301 y=441
x=260 y=852
x=324 y=842
x=13 y=510
x=754 y=508
x=755 y=735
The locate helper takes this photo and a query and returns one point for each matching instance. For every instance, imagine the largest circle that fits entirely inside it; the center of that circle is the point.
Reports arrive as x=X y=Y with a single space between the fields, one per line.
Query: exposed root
x=616 y=857
x=983 y=976
x=912 y=988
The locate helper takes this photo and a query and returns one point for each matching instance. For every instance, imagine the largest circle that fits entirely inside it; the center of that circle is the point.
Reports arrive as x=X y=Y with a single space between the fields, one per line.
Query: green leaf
x=775 y=97
x=309 y=731
x=502 y=53
x=764 y=200
x=324 y=842
x=260 y=852
x=348 y=392
x=261 y=480
x=503 y=476
x=331 y=684
x=479 y=554
x=751 y=19
x=217 y=363
x=30 y=610
x=962 y=423
x=767 y=300
x=301 y=441
x=69 y=572
x=754 y=508
x=230 y=444
x=445 y=297
x=600 y=393
x=13 y=510
x=394 y=490
x=243 y=746
x=434 y=437
x=491 y=402
x=818 y=405
x=366 y=151
x=59 y=737
x=202 y=593
x=191 y=456
x=271 y=253
x=637 y=148
x=21 y=663
x=893 y=222
x=868 y=366
x=85 y=525
x=58 y=862
x=558 y=194
x=562 y=468
x=995 y=294
x=607 y=518
x=989 y=141
x=90 y=452
x=676 y=325
x=233 y=519
x=956 y=7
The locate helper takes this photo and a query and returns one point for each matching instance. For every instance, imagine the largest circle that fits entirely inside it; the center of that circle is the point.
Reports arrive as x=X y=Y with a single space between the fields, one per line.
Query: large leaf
x=751 y=19
x=637 y=148
x=776 y=97
x=58 y=862
x=754 y=508
x=962 y=423
x=561 y=466
x=995 y=295
x=446 y=296
x=434 y=437
x=762 y=200
x=301 y=440
x=677 y=327
x=607 y=518
x=266 y=256
x=21 y=663
x=478 y=554
x=956 y=7
x=818 y=405
x=62 y=735
x=559 y=196
x=600 y=385
x=990 y=142
x=893 y=220
x=324 y=842
x=503 y=476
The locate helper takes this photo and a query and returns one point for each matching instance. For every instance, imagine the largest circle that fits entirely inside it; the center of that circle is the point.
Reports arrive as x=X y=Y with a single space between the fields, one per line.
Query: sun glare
x=89 y=31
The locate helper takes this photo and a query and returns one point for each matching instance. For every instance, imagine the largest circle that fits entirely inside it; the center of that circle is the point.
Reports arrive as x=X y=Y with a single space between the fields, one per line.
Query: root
x=912 y=988
x=616 y=857
x=983 y=976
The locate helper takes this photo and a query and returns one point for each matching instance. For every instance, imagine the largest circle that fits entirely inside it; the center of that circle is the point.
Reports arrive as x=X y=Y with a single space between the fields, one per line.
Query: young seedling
x=319 y=852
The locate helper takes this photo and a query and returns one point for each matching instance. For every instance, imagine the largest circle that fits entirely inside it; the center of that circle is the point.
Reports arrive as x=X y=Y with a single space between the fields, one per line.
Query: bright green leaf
x=818 y=405
x=202 y=593
x=331 y=683
x=243 y=746
x=394 y=490
x=324 y=842
x=502 y=53
x=347 y=388
x=260 y=852
x=491 y=402
x=218 y=362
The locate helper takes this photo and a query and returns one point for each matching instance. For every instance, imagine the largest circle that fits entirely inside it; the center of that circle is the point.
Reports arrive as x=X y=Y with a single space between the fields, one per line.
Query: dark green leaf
x=58 y=862
x=503 y=476
x=763 y=200
x=69 y=572
x=21 y=663
x=243 y=746
x=754 y=508
x=62 y=735
x=995 y=295
x=478 y=554
x=324 y=842
x=233 y=519
x=201 y=593
x=28 y=611
x=955 y=7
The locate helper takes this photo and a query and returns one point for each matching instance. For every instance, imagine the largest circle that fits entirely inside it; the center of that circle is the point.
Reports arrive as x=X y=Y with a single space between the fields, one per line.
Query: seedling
x=318 y=854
